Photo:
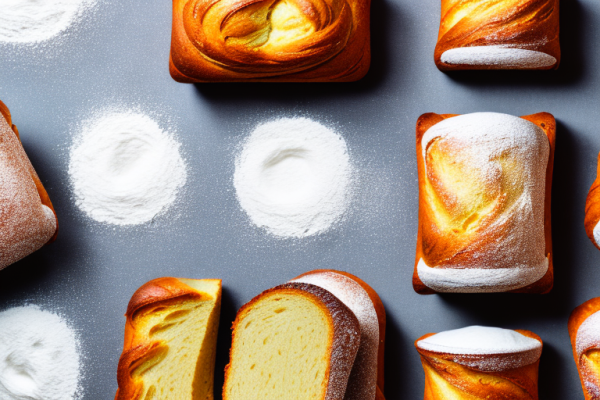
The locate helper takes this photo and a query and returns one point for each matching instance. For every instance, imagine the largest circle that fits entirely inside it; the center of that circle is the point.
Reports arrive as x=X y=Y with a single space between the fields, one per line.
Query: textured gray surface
x=119 y=54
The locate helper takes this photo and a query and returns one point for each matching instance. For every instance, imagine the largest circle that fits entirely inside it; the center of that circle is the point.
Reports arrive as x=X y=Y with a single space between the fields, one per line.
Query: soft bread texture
x=459 y=376
x=170 y=341
x=27 y=218
x=507 y=34
x=584 y=331
x=592 y=210
x=296 y=341
x=367 y=377
x=484 y=203
x=270 y=40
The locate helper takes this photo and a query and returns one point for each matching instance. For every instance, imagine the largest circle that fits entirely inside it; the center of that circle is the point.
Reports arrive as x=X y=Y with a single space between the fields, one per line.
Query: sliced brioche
x=367 y=373
x=296 y=341
x=170 y=341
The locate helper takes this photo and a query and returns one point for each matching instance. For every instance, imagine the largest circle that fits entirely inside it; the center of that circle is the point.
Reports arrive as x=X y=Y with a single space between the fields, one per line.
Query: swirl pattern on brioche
x=458 y=374
x=529 y=26
x=483 y=209
x=268 y=37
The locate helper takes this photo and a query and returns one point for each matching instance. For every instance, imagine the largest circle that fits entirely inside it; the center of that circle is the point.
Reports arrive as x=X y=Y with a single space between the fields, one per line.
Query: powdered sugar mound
x=588 y=338
x=597 y=233
x=362 y=384
x=125 y=169
x=293 y=177
x=32 y=21
x=497 y=56
x=505 y=158
x=485 y=348
x=39 y=357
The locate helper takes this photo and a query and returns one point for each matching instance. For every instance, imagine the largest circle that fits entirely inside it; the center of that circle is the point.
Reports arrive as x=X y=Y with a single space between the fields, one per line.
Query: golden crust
x=381 y=318
x=516 y=383
x=578 y=317
x=548 y=124
x=529 y=25
x=592 y=207
x=343 y=344
x=137 y=348
x=45 y=199
x=215 y=41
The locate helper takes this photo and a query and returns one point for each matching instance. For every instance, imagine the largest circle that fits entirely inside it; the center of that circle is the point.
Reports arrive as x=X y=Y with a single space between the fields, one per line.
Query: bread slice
x=366 y=378
x=296 y=341
x=584 y=332
x=170 y=341
x=28 y=219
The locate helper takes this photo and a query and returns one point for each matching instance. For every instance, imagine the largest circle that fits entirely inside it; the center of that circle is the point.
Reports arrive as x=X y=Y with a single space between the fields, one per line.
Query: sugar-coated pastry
x=285 y=41
x=507 y=34
x=592 y=210
x=584 y=330
x=480 y=363
x=296 y=341
x=27 y=218
x=484 y=203
x=170 y=341
x=367 y=376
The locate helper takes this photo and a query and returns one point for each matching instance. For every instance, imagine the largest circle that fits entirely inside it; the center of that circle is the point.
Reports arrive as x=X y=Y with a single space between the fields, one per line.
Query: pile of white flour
x=125 y=169
x=293 y=177
x=39 y=357
x=32 y=21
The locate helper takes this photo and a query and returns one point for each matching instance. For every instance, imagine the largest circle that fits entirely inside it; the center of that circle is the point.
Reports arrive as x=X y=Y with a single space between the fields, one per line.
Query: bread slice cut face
x=170 y=341
x=294 y=342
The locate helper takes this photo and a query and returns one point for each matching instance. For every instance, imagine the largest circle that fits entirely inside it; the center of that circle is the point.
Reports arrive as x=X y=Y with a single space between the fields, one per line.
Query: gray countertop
x=118 y=56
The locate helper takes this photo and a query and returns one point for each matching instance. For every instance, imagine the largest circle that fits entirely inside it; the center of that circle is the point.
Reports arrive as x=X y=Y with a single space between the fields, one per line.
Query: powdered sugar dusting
x=498 y=56
x=25 y=223
x=597 y=233
x=362 y=384
x=505 y=158
x=485 y=348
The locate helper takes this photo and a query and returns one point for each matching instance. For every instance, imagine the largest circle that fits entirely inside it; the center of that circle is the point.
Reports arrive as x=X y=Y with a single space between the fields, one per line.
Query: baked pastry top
x=584 y=330
x=480 y=363
x=28 y=220
x=592 y=210
x=272 y=40
x=484 y=203
x=170 y=340
x=507 y=34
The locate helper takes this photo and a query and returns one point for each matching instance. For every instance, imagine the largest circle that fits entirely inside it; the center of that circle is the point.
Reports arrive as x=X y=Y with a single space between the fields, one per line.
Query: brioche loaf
x=584 y=331
x=296 y=341
x=507 y=34
x=592 y=210
x=484 y=203
x=367 y=377
x=270 y=40
x=170 y=341
x=480 y=363
x=27 y=218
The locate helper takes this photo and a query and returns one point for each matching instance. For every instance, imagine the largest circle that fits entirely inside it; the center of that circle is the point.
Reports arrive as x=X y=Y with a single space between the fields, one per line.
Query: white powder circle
x=498 y=56
x=293 y=177
x=32 y=21
x=125 y=169
x=39 y=357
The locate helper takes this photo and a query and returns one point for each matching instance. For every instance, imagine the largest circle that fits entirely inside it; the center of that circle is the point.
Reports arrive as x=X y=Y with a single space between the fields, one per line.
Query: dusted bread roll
x=506 y=34
x=480 y=363
x=27 y=218
x=484 y=203
x=592 y=210
x=584 y=330
x=367 y=376
x=296 y=341
x=270 y=40
x=170 y=341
